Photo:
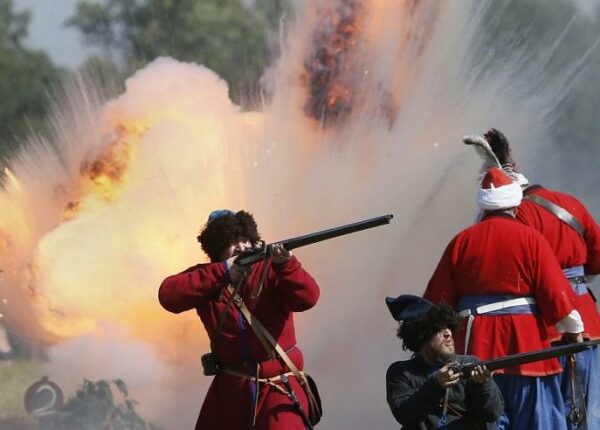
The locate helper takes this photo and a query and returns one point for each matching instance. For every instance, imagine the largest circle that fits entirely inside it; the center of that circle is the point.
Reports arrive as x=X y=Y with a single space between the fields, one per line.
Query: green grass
x=15 y=377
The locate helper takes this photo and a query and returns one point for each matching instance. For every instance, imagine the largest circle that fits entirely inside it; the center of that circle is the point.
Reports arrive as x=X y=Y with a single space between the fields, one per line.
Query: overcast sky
x=46 y=30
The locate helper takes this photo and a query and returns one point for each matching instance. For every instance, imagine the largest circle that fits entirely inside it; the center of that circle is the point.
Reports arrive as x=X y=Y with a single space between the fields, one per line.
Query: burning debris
x=337 y=74
x=107 y=172
x=104 y=176
x=327 y=66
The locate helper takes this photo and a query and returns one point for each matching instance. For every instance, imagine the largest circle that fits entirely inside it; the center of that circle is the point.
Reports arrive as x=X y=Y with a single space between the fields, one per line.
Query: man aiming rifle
x=427 y=392
x=246 y=297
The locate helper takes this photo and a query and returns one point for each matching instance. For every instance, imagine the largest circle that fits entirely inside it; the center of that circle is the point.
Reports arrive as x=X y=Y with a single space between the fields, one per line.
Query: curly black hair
x=225 y=230
x=415 y=333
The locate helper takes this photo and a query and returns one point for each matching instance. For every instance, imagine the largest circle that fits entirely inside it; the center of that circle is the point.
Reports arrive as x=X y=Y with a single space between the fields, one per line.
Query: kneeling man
x=424 y=392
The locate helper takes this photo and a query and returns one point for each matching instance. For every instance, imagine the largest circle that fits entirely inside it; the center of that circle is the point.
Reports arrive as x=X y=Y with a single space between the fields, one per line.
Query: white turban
x=498 y=191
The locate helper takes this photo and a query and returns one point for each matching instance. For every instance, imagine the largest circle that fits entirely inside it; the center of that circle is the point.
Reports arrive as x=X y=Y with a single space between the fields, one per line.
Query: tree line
x=238 y=38
x=235 y=38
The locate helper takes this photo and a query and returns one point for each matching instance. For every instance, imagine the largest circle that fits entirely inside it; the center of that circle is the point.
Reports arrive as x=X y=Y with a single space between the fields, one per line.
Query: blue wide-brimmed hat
x=407 y=307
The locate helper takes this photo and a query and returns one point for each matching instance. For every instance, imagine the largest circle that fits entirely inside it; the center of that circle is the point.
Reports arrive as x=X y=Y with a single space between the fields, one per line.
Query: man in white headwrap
x=504 y=279
x=574 y=237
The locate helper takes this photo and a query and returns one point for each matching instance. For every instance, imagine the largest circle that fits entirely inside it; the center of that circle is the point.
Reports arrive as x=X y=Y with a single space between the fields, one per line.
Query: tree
x=25 y=78
x=225 y=35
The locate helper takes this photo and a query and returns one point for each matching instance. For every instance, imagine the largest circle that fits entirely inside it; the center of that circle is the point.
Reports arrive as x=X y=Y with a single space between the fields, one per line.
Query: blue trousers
x=531 y=403
x=588 y=364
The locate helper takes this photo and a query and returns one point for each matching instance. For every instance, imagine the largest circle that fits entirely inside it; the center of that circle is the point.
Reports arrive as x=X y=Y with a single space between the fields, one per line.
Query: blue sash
x=572 y=272
x=580 y=288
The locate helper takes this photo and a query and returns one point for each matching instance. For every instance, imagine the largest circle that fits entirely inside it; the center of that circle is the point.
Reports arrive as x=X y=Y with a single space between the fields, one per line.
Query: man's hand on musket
x=236 y=272
x=447 y=377
x=572 y=337
x=480 y=375
x=279 y=254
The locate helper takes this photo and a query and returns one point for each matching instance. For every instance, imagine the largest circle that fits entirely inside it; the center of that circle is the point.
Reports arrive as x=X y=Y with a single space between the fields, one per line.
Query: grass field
x=15 y=377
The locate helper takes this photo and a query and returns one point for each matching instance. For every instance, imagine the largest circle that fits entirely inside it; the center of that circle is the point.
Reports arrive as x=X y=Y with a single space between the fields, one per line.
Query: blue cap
x=218 y=214
x=407 y=307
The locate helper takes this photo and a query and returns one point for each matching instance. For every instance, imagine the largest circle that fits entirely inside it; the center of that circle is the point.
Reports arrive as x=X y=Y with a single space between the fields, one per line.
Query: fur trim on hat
x=220 y=233
x=415 y=333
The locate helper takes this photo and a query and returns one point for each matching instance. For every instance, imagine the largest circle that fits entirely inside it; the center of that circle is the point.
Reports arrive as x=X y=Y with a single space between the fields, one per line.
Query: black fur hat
x=416 y=332
x=223 y=228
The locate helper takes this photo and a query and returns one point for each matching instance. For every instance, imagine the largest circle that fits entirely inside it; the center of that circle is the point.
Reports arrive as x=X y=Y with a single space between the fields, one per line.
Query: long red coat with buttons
x=499 y=255
x=288 y=288
x=570 y=248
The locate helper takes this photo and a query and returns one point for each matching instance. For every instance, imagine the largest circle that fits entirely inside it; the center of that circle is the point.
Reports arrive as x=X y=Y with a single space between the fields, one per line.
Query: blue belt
x=575 y=276
x=572 y=272
x=473 y=302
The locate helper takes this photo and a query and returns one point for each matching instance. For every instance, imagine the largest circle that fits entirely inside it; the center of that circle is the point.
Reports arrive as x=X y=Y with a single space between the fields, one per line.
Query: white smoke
x=588 y=7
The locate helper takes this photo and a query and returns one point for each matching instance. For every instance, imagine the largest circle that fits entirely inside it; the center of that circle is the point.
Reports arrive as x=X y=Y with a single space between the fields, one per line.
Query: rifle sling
x=233 y=292
x=558 y=211
x=265 y=338
x=270 y=345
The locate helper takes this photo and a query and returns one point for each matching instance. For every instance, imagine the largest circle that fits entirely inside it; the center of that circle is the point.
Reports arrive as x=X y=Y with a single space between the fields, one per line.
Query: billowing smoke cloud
x=101 y=215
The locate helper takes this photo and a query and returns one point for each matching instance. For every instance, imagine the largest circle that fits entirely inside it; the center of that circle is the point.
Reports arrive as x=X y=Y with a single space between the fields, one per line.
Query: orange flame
x=104 y=176
x=107 y=172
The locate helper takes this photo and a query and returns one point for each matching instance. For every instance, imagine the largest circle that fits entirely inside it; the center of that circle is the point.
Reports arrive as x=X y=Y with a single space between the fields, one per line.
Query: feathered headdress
x=494 y=148
x=485 y=151
x=499 y=145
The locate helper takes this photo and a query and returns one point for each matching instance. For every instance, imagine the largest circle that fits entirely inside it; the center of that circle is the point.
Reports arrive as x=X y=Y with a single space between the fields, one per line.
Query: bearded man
x=425 y=393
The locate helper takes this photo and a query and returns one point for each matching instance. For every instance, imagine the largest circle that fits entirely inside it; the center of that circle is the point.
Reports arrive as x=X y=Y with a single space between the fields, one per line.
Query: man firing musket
x=427 y=392
x=246 y=298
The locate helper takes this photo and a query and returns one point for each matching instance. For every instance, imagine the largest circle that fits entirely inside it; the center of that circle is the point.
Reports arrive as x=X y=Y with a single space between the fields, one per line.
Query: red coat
x=288 y=288
x=569 y=247
x=501 y=256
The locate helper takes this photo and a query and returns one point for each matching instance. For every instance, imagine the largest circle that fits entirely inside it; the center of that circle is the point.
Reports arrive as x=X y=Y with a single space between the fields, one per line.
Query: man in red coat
x=248 y=390
x=575 y=241
x=503 y=277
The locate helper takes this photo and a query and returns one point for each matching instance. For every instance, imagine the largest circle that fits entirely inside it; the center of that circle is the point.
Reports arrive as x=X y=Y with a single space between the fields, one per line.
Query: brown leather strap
x=253 y=378
x=265 y=338
x=263 y=335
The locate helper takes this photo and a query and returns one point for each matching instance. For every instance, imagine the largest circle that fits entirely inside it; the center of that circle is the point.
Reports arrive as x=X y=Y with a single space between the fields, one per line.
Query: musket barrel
x=253 y=255
x=311 y=238
x=529 y=357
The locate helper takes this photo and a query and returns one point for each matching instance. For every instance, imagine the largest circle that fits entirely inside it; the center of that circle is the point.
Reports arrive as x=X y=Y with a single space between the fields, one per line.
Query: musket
x=256 y=254
x=526 y=357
